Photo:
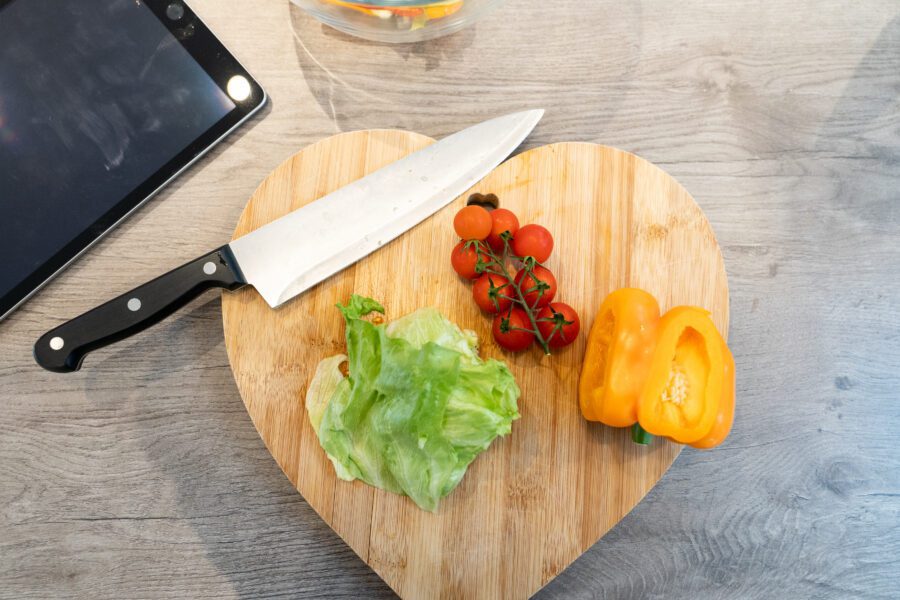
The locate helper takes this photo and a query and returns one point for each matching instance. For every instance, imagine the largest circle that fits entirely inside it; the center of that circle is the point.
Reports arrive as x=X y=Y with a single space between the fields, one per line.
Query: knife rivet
x=209 y=268
x=57 y=343
x=134 y=304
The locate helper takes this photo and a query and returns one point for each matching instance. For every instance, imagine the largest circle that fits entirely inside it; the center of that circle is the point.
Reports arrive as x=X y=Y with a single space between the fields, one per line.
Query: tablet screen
x=95 y=97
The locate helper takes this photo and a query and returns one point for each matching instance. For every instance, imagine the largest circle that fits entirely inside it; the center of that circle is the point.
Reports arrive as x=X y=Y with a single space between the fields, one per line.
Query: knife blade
x=358 y=218
x=337 y=230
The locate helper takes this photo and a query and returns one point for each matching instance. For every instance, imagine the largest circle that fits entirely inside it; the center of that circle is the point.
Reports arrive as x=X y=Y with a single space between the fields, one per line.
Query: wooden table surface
x=142 y=476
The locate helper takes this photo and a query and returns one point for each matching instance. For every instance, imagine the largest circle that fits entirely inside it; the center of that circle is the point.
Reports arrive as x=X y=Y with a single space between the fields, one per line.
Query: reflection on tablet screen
x=95 y=97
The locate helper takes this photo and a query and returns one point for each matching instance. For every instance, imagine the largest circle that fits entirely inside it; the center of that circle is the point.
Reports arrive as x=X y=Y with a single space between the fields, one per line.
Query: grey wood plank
x=142 y=476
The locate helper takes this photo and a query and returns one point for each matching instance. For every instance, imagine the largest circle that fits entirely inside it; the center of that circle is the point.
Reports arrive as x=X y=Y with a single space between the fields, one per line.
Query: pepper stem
x=639 y=435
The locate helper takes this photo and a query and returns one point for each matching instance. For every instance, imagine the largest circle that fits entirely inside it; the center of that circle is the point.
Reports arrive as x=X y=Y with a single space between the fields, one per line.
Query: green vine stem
x=497 y=265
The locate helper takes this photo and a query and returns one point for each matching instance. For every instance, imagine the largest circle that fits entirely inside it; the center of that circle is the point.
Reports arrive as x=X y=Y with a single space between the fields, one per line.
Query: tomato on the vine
x=559 y=324
x=512 y=330
x=533 y=240
x=472 y=223
x=492 y=293
x=464 y=259
x=502 y=221
x=493 y=248
x=538 y=287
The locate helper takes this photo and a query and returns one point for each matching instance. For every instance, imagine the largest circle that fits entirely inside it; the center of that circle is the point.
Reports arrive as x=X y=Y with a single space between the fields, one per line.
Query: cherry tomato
x=472 y=223
x=492 y=293
x=535 y=241
x=558 y=324
x=502 y=220
x=542 y=284
x=464 y=260
x=507 y=329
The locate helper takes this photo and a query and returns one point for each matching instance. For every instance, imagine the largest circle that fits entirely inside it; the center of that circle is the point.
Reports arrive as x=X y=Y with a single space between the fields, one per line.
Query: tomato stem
x=528 y=266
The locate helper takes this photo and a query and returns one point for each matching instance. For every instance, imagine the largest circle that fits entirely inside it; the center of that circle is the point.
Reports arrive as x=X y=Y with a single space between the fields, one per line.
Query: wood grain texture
x=536 y=500
x=142 y=477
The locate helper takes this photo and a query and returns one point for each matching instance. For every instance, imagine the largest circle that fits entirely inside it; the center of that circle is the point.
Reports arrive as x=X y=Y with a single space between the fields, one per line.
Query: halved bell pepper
x=671 y=376
x=618 y=358
x=685 y=385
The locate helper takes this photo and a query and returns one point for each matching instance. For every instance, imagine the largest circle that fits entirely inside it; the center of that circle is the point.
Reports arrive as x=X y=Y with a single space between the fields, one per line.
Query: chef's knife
x=297 y=251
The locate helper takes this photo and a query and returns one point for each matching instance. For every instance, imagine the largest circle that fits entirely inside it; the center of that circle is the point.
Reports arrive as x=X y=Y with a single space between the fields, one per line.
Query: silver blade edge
x=297 y=251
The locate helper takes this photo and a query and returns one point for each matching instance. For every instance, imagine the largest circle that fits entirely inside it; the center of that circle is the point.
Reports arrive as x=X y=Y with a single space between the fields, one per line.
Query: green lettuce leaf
x=428 y=325
x=417 y=408
x=359 y=306
x=326 y=380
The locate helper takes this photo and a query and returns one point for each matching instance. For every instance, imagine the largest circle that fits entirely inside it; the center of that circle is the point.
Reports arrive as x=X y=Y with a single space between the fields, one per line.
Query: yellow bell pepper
x=671 y=376
x=619 y=352
x=681 y=397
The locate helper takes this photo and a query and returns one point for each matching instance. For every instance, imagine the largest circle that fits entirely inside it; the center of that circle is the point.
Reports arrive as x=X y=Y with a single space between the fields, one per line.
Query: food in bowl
x=398 y=21
x=406 y=17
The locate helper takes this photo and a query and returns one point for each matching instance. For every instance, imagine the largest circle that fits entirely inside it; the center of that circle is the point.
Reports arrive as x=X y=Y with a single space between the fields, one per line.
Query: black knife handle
x=63 y=349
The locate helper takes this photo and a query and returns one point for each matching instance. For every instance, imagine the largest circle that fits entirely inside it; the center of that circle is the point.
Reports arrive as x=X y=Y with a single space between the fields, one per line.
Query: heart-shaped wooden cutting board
x=537 y=499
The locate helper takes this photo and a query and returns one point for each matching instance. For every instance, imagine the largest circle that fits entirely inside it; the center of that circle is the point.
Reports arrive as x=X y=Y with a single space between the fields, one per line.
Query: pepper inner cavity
x=683 y=394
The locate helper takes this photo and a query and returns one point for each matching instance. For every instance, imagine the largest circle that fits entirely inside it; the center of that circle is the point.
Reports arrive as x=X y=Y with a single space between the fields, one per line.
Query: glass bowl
x=398 y=21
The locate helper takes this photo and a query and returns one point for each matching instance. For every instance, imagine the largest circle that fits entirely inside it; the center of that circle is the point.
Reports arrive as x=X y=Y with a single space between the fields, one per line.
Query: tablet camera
x=175 y=11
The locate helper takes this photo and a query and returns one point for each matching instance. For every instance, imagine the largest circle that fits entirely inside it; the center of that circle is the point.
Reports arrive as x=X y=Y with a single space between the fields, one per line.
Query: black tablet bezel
x=221 y=66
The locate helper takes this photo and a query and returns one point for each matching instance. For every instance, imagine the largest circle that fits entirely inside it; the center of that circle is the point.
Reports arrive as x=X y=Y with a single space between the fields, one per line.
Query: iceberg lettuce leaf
x=417 y=407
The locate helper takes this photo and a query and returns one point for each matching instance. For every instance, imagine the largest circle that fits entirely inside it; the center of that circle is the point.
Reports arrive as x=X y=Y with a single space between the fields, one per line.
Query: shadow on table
x=867 y=132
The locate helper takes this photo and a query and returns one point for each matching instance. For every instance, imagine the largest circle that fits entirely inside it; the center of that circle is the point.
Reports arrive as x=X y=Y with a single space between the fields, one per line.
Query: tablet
x=102 y=102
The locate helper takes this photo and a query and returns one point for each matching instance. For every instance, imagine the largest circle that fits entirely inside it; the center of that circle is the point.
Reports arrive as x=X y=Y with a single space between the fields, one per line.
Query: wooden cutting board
x=537 y=499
